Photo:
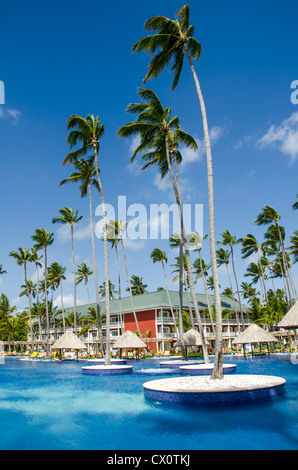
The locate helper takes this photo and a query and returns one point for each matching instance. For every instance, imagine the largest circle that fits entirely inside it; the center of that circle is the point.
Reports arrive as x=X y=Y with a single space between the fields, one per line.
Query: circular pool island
x=107 y=370
x=176 y=364
x=232 y=389
x=206 y=369
x=114 y=362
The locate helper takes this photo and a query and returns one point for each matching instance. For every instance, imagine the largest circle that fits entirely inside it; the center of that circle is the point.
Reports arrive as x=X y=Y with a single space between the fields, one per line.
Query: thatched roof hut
x=255 y=334
x=69 y=341
x=129 y=340
x=191 y=338
x=290 y=320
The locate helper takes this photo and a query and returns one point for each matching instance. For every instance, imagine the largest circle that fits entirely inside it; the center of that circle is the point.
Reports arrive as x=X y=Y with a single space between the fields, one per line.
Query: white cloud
x=284 y=136
x=190 y=156
x=13 y=114
x=68 y=301
x=80 y=232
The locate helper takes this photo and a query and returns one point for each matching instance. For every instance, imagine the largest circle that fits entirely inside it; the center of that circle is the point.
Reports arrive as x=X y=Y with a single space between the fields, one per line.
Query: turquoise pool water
x=46 y=405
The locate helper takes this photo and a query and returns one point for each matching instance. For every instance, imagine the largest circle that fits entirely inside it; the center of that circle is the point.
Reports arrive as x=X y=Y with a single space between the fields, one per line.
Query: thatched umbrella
x=69 y=341
x=290 y=320
x=255 y=335
x=129 y=340
x=191 y=338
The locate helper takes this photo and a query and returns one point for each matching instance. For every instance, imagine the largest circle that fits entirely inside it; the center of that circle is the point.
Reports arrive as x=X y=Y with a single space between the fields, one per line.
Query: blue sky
x=65 y=58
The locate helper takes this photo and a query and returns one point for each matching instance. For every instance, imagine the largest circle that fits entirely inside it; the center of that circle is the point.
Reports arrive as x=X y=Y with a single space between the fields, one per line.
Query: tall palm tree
x=23 y=256
x=200 y=267
x=83 y=274
x=43 y=240
x=249 y=247
x=114 y=235
x=173 y=39
x=255 y=272
x=230 y=240
x=87 y=132
x=222 y=257
x=295 y=205
x=57 y=272
x=68 y=216
x=116 y=229
x=159 y=256
x=85 y=175
x=267 y=216
x=36 y=260
x=155 y=127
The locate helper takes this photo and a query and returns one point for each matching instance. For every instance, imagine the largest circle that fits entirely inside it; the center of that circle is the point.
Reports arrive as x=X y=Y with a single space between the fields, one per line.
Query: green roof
x=158 y=299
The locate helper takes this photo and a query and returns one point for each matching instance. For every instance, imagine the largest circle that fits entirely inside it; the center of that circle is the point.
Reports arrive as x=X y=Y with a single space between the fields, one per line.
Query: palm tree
x=114 y=236
x=159 y=256
x=68 y=216
x=83 y=274
x=183 y=273
x=57 y=274
x=116 y=229
x=249 y=247
x=294 y=246
x=84 y=174
x=36 y=260
x=267 y=217
x=87 y=131
x=23 y=257
x=222 y=257
x=295 y=205
x=173 y=39
x=155 y=128
x=112 y=291
x=197 y=241
x=2 y=271
x=43 y=239
x=255 y=271
x=248 y=291
x=137 y=285
x=231 y=241
x=6 y=312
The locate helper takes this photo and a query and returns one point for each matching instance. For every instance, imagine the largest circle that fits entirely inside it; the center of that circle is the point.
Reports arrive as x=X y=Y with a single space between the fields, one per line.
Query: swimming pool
x=54 y=406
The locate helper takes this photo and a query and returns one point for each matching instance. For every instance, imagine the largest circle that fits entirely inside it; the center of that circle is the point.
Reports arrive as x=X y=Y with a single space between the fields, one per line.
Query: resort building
x=156 y=323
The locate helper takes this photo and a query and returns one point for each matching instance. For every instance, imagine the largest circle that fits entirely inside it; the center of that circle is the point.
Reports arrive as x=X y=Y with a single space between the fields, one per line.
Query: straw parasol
x=69 y=341
x=290 y=320
x=254 y=335
x=129 y=340
x=191 y=338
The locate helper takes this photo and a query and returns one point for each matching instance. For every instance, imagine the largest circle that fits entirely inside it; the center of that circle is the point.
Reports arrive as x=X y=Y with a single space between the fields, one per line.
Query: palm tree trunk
x=188 y=299
x=184 y=242
x=106 y=260
x=206 y=294
x=218 y=369
x=169 y=298
x=95 y=271
x=284 y=261
x=119 y=289
x=74 y=284
x=62 y=307
x=235 y=308
x=30 y=307
x=181 y=331
x=37 y=301
x=130 y=291
x=46 y=298
x=88 y=295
